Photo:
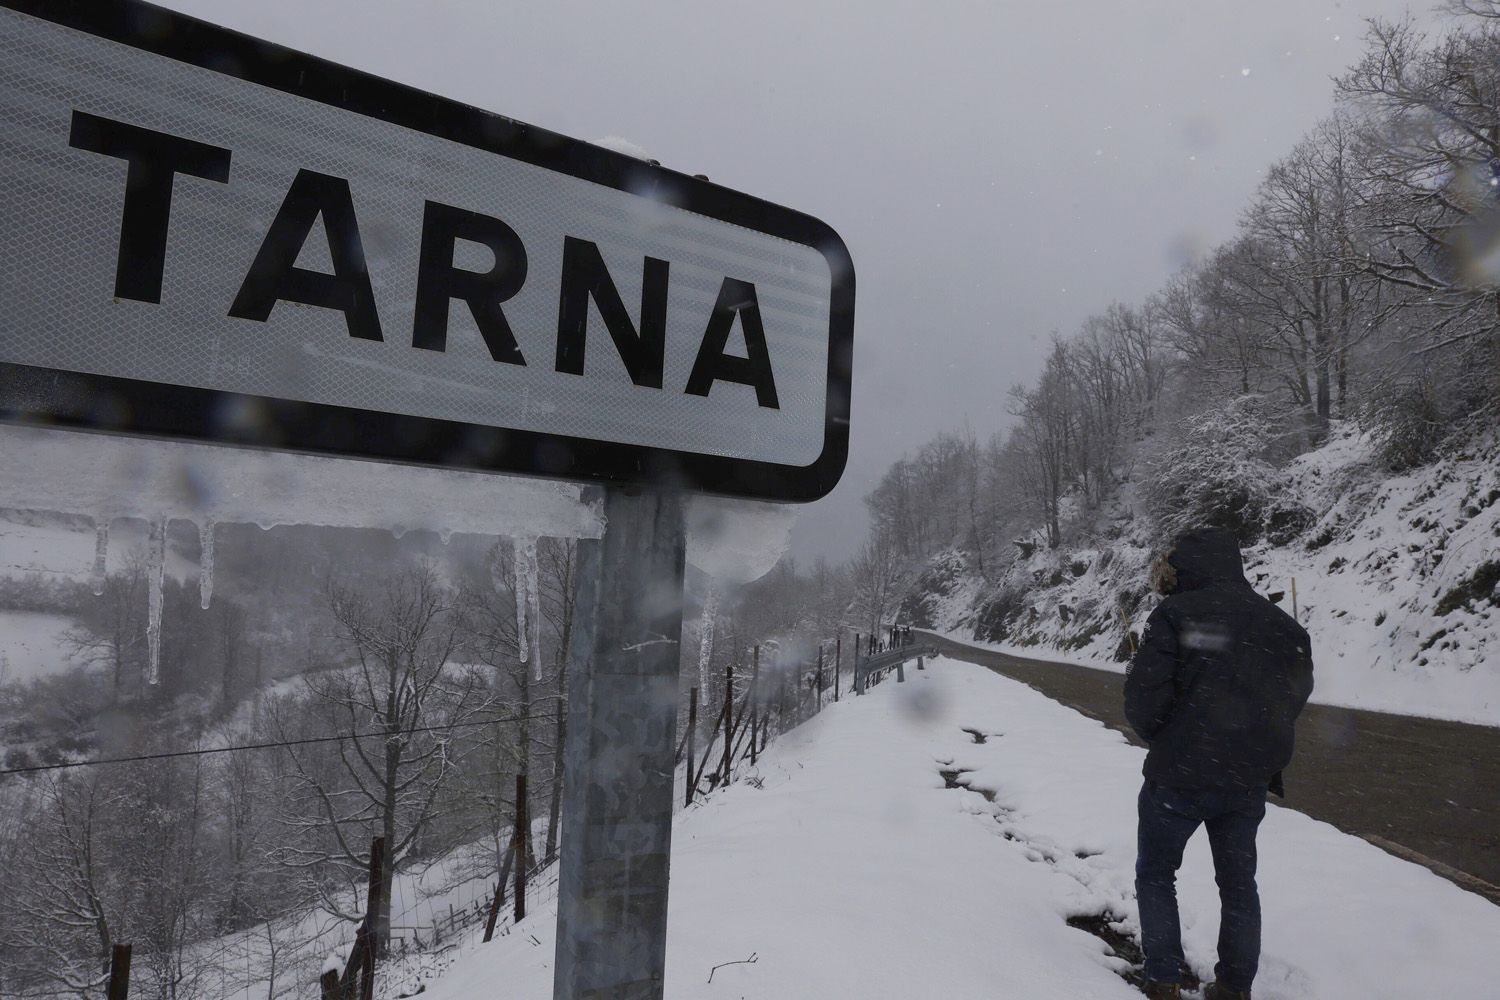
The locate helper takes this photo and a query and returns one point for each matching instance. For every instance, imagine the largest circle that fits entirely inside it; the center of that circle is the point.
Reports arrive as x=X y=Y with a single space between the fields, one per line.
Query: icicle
x=706 y=634
x=156 y=572
x=101 y=553
x=534 y=610
x=527 y=603
x=523 y=602
x=205 y=564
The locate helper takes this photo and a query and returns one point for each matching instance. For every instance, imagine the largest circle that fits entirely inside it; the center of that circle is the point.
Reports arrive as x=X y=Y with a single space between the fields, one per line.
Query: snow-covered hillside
x=32 y=645
x=936 y=838
x=1397 y=578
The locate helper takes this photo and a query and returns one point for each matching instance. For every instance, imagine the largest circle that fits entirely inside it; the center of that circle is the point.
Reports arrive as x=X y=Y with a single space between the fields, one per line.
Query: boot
x=1217 y=992
x=1162 y=991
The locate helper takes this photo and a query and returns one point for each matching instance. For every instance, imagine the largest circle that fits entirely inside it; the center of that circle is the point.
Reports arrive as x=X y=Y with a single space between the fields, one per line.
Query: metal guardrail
x=870 y=669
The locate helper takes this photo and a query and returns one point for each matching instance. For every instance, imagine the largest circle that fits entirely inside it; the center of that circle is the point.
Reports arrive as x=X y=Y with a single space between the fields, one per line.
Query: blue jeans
x=1168 y=817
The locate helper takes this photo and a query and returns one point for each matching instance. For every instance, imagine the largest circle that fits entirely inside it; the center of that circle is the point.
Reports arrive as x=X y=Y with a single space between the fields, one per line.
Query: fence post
x=375 y=929
x=522 y=839
x=499 y=900
x=838 y=663
x=919 y=664
x=820 y=677
x=691 y=734
x=728 y=719
x=754 y=714
x=782 y=699
x=1295 y=616
x=765 y=716
x=119 y=972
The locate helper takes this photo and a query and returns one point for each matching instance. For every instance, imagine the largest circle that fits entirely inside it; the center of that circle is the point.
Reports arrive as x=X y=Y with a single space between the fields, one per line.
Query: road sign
x=207 y=236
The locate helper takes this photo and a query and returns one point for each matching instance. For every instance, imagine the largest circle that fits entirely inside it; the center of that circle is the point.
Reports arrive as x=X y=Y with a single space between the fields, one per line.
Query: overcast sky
x=998 y=170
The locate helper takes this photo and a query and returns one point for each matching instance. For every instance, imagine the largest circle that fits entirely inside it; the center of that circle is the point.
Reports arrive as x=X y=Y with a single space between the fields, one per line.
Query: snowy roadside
x=854 y=871
x=1395 y=582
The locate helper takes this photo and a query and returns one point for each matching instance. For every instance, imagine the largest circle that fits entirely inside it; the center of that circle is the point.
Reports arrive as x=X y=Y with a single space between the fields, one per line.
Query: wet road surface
x=1423 y=789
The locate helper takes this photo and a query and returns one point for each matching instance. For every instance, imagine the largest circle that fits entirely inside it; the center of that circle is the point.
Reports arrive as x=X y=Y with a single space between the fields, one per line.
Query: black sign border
x=38 y=395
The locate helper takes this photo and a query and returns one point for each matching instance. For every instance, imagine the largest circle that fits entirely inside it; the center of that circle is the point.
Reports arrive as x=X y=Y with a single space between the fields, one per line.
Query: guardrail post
x=900 y=671
x=919 y=664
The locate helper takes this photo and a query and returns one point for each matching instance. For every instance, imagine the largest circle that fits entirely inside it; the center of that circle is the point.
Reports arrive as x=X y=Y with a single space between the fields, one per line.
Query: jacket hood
x=1205 y=556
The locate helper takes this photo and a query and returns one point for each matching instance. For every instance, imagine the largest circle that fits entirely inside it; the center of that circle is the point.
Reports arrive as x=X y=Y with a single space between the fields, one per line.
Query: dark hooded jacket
x=1220 y=676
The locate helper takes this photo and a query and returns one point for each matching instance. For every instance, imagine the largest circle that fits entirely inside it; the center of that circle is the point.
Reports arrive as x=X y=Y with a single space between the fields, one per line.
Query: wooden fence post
x=728 y=719
x=499 y=898
x=691 y=735
x=522 y=835
x=838 y=663
x=119 y=972
x=375 y=929
x=754 y=714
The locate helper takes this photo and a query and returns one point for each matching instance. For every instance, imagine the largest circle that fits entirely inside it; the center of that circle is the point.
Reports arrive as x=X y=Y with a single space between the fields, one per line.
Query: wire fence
x=450 y=903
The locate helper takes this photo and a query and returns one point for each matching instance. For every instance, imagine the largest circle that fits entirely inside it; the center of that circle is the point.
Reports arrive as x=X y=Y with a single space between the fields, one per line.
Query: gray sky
x=999 y=170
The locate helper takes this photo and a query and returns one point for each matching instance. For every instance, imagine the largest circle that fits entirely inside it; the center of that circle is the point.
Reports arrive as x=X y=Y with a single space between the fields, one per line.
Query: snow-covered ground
x=851 y=869
x=31 y=645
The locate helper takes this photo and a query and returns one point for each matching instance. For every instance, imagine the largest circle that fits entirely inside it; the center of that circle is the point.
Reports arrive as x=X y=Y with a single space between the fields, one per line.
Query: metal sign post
x=622 y=731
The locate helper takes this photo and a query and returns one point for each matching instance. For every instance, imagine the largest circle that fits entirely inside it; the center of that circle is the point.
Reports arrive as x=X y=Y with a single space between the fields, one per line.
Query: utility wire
x=167 y=755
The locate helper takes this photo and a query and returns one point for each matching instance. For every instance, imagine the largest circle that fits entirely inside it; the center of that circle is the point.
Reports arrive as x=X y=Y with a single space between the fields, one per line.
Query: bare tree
x=398 y=692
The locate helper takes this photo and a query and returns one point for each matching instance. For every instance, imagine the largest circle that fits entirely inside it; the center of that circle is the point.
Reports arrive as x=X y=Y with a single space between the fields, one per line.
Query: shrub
x=1217 y=472
x=997 y=616
x=1286 y=520
x=1481 y=585
x=1409 y=426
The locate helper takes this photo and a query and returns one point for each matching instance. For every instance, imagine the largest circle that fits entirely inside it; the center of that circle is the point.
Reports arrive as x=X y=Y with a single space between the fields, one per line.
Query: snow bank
x=854 y=871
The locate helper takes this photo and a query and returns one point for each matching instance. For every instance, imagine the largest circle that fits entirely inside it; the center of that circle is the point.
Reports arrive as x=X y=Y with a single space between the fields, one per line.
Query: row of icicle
x=528 y=596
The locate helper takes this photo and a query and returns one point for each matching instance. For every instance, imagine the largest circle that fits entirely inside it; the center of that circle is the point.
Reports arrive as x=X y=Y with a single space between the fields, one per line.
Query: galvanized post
x=622 y=705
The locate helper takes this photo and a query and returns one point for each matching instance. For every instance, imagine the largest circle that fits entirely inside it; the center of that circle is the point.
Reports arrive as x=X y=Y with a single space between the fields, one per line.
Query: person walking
x=1214 y=690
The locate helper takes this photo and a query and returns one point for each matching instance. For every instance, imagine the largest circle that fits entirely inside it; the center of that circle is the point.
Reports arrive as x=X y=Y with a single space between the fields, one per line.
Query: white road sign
x=203 y=235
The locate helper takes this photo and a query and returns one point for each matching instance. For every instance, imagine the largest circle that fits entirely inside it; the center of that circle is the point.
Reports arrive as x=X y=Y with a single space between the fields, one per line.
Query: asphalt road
x=1423 y=789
